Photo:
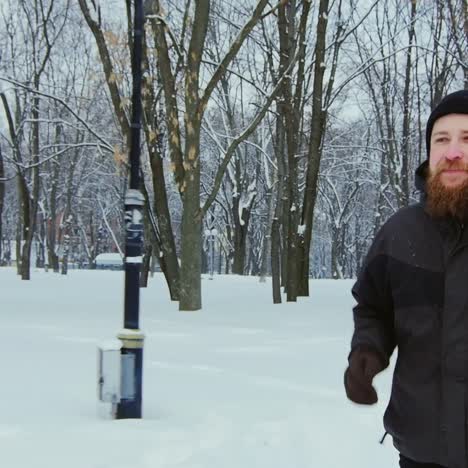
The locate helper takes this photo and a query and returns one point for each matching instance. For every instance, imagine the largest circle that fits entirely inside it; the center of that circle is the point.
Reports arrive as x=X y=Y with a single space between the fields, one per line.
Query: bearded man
x=412 y=294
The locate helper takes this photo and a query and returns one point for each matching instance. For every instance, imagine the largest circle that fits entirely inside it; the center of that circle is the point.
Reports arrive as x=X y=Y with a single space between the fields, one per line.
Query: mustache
x=455 y=166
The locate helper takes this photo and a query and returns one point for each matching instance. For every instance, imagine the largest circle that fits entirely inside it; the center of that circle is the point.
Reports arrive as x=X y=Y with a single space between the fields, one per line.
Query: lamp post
x=131 y=336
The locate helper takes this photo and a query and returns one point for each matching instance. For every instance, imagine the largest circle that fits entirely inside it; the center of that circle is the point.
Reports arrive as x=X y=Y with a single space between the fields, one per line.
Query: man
x=412 y=294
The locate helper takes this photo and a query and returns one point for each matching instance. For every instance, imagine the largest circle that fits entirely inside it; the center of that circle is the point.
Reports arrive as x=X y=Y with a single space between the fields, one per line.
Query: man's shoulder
x=411 y=216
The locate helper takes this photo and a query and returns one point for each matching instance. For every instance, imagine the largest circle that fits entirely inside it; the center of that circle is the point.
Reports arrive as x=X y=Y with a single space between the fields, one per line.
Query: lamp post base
x=129 y=406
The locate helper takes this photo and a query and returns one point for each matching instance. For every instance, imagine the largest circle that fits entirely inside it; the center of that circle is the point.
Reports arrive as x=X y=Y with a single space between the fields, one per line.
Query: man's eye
x=441 y=139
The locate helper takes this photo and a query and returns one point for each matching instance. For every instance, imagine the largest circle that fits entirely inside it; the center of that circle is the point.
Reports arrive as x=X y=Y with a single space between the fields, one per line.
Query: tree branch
x=108 y=69
x=245 y=134
x=105 y=144
x=236 y=45
x=170 y=96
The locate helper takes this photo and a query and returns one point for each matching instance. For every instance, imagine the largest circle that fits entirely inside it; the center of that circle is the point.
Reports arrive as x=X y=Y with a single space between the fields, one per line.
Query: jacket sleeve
x=373 y=313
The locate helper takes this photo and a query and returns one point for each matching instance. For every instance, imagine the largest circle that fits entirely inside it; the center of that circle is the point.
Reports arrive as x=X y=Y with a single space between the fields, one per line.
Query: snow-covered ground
x=240 y=384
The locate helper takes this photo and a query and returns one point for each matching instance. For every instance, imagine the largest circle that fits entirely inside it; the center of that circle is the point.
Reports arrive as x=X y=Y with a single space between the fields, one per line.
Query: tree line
x=290 y=129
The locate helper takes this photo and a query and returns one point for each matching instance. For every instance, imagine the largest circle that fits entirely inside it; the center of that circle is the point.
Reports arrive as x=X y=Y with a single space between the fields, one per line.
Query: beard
x=443 y=201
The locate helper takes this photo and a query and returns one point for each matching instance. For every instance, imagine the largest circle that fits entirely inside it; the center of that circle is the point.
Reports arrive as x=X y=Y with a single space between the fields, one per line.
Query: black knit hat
x=454 y=103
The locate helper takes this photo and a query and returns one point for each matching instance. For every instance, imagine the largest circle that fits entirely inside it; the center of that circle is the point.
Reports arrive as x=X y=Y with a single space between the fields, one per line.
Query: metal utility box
x=109 y=374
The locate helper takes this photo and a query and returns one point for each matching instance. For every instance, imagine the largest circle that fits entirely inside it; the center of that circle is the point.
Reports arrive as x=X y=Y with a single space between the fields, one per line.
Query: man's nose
x=454 y=152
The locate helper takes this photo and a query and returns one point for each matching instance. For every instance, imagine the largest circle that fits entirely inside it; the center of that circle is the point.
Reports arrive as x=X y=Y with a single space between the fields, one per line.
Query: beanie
x=454 y=103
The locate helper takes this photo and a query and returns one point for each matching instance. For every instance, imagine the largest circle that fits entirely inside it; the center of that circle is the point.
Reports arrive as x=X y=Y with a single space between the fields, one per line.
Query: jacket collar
x=420 y=178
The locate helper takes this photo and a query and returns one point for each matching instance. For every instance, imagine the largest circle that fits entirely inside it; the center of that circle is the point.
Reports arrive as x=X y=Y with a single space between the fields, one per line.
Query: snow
x=242 y=383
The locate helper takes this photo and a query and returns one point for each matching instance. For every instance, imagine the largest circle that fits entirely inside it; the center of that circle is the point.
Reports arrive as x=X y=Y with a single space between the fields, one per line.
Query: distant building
x=109 y=261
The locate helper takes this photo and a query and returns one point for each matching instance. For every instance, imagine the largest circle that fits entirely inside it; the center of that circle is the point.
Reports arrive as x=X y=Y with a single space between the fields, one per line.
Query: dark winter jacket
x=412 y=294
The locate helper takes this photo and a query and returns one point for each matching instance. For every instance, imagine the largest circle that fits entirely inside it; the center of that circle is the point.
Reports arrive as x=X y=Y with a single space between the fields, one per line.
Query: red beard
x=445 y=201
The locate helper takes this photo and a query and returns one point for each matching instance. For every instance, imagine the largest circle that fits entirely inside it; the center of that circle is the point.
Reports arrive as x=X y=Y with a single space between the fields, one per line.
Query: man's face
x=447 y=184
x=449 y=150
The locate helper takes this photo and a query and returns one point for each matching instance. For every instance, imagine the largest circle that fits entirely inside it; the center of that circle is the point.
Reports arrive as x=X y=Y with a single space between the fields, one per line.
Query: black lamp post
x=131 y=336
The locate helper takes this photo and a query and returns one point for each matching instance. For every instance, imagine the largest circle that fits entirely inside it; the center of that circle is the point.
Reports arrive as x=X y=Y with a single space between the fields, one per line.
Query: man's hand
x=364 y=365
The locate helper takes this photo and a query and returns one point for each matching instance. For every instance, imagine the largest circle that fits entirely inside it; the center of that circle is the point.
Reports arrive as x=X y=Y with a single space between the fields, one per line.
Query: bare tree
x=41 y=23
x=459 y=9
x=186 y=156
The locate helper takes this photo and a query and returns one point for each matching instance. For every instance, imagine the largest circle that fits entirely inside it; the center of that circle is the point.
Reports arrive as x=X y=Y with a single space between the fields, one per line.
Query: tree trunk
x=18 y=247
x=161 y=208
x=265 y=267
x=149 y=241
x=204 y=261
x=146 y=264
x=336 y=267
x=220 y=258
x=41 y=235
x=93 y=251
x=30 y=212
x=286 y=27
x=191 y=234
x=314 y=151
x=241 y=228
x=284 y=225
x=68 y=216
x=275 y=258
x=67 y=224
x=405 y=149
x=191 y=243
x=240 y=242
x=52 y=222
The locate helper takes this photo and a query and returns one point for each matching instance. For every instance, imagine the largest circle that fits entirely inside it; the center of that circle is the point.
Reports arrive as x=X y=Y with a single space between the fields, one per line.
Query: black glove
x=364 y=364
